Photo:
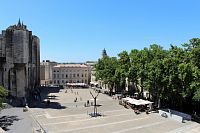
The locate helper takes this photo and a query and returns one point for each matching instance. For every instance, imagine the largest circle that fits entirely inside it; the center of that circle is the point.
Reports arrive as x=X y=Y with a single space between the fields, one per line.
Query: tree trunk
x=142 y=89
x=181 y=105
x=159 y=103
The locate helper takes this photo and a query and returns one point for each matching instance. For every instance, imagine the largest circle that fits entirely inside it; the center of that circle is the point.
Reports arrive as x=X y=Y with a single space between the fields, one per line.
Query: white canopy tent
x=137 y=102
x=76 y=84
x=126 y=99
x=94 y=83
x=133 y=101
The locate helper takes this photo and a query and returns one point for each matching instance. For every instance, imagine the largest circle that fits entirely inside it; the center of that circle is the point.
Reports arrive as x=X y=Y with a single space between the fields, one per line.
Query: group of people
x=76 y=99
x=75 y=93
x=87 y=104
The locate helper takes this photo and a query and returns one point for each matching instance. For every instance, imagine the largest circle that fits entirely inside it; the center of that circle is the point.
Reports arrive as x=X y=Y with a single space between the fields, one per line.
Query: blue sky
x=78 y=30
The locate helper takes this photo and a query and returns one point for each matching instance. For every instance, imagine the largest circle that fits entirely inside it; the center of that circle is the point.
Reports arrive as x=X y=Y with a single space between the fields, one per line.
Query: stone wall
x=20 y=46
x=20 y=69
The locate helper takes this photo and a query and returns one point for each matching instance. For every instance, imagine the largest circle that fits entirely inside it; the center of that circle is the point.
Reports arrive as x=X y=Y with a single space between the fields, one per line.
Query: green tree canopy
x=171 y=76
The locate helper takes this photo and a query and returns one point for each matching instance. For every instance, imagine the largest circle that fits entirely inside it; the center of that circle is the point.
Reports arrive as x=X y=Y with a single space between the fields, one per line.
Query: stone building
x=93 y=81
x=46 y=72
x=71 y=73
x=19 y=60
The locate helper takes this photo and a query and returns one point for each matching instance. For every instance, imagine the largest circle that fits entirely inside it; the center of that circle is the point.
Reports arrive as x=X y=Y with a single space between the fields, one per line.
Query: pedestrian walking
x=88 y=102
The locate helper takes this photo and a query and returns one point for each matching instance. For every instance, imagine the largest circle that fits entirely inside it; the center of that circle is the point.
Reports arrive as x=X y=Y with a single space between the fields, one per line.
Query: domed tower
x=104 y=54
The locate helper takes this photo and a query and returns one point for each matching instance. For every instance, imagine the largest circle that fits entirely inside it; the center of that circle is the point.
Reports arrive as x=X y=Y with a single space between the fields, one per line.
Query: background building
x=46 y=72
x=19 y=60
x=93 y=81
x=71 y=73
x=104 y=53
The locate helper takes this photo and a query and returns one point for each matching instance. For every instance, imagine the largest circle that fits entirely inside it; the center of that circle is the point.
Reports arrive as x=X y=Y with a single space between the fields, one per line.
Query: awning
x=94 y=83
x=126 y=99
x=76 y=84
x=139 y=102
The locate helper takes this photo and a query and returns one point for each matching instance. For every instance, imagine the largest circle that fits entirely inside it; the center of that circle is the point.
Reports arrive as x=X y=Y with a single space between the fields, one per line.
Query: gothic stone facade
x=19 y=60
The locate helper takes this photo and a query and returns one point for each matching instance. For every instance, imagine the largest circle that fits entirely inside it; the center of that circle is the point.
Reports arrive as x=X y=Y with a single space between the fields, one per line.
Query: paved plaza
x=63 y=115
x=73 y=117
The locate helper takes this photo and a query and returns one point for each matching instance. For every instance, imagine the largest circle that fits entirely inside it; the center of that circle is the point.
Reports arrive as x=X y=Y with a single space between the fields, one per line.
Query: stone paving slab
x=74 y=117
x=21 y=121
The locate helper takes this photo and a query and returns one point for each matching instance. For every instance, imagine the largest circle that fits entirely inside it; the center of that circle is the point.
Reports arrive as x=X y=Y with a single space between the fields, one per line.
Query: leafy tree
x=133 y=73
x=105 y=71
x=143 y=60
x=171 y=76
x=193 y=56
x=195 y=84
x=99 y=69
x=197 y=95
x=155 y=73
x=3 y=94
x=123 y=68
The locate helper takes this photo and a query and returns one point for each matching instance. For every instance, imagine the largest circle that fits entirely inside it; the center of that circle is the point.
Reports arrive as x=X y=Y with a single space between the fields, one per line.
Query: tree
x=133 y=73
x=3 y=94
x=193 y=56
x=195 y=84
x=143 y=60
x=171 y=76
x=123 y=68
x=197 y=95
x=172 y=79
x=105 y=71
x=109 y=72
x=155 y=72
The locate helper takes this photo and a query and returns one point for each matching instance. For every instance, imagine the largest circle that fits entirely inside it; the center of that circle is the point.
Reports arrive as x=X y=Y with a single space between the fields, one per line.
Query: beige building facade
x=71 y=73
x=93 y=81
x=46 y=67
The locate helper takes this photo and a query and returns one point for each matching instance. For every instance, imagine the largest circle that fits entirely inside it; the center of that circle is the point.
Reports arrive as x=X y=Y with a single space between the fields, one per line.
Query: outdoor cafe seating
x=137 y=105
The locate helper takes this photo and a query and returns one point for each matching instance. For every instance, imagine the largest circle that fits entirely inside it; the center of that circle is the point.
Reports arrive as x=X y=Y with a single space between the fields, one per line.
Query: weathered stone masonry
x=19 y=60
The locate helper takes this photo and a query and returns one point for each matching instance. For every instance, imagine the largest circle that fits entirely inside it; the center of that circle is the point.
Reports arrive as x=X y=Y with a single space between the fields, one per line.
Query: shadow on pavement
x=52 y=105
x=46 y=99
x=6 y=121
